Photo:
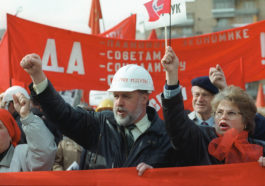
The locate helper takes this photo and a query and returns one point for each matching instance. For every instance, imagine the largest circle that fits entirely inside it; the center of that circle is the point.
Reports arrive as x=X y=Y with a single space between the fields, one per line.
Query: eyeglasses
x=231 y=115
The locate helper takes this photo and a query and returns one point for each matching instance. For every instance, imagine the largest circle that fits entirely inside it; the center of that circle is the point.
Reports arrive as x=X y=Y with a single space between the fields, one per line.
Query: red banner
x=73 y=60
x=243 y=174
x=124 y=30
x=4 y=62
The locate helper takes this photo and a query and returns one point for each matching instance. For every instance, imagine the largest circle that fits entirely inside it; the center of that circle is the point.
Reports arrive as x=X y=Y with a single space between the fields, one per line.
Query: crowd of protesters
x=126 y=132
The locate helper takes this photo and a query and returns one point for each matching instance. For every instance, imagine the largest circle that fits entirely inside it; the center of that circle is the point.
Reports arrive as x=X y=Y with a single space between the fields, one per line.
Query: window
x=222 y=22
x=223 y=4
x=187 y=31
x=249 y=4
x=190 y=16
x=247 y=19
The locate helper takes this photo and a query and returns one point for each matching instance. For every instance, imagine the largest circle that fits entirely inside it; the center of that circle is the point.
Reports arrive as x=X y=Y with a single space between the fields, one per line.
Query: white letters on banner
x=154 y=104
x=76 y=56
x=262 y=46
x=50 y=52
x=75 y=63
x=218 y=37
x=157 y=105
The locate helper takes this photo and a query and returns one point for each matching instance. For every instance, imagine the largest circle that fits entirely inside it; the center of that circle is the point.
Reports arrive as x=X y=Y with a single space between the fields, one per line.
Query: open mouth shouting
x=122 y=112
x=223 y=126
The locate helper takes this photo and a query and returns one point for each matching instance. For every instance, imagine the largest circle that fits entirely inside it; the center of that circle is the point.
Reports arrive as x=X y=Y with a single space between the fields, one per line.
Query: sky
x=72 y=14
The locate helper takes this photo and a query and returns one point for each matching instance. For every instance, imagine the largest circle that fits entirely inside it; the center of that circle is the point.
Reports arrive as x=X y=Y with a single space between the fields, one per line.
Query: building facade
x=207 y=16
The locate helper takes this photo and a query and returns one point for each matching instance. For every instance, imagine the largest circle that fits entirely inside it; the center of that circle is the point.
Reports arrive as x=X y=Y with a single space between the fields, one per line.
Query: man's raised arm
x=31 y=63
x=170 y=63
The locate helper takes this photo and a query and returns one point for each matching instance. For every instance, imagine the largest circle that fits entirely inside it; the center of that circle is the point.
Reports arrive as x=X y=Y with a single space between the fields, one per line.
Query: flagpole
x=165 y=36
x=103 y=24
x=169 y=42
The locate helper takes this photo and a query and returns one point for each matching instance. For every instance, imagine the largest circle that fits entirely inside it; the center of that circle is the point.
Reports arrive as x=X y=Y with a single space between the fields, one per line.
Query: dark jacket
x=189 y=139
x=99 y=132
x=259 y=132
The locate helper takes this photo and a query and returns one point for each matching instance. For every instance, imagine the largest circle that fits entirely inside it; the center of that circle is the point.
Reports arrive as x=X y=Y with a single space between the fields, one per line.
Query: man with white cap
x=134 y=133
x=7 y=103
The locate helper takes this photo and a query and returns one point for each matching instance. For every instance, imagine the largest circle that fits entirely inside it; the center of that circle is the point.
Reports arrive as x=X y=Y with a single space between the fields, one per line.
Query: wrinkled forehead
x=227 y=105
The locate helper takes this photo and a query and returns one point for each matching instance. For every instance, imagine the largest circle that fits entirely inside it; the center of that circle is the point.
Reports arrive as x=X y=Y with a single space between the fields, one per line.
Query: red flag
x=152 y=35
x=95 y=15
x=157 y=7
x=4 y=64
x=260 y=102
x=124 y=30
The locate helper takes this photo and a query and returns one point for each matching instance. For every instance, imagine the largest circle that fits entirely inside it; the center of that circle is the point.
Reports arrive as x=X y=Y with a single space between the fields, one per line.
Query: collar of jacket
x=157 y=125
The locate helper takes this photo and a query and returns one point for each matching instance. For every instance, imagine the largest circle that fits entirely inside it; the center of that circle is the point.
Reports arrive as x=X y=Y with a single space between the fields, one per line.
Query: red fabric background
x=244 y=174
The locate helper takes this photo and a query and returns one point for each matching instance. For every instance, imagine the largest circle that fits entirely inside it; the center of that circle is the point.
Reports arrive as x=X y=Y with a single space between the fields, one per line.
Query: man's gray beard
x=129 y=119
x=123 y=121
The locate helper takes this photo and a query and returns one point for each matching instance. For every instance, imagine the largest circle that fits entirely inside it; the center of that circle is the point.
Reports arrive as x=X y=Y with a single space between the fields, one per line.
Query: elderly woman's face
x=228 y=116
x=5 y=138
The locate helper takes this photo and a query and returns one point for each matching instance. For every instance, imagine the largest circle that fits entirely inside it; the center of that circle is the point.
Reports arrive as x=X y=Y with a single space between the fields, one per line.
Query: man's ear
x=146 y=99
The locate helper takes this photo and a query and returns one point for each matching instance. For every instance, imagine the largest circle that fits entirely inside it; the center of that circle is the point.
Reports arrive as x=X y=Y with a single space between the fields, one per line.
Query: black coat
x=100 y=134
x=189 y=139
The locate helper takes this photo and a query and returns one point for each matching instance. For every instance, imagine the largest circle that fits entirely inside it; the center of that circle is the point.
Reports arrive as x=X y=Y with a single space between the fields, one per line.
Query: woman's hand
x=21 y=104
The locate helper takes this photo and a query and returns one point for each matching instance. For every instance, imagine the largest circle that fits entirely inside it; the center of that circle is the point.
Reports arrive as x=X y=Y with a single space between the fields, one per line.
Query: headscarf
x=233 y=147
x=11 y=126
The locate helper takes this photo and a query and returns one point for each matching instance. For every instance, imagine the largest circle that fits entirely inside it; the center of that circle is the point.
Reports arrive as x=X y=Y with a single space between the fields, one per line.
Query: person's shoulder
x=259 y=127
x=153 y=115
x=208 y=131
x=257 y=141
x=108 y=116
x=108 y=113
x=21 y=150
x=260 y=118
